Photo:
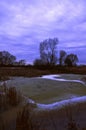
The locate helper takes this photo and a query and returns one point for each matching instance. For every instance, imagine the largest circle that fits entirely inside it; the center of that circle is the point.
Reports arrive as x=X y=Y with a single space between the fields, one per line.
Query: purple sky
x=25 y=23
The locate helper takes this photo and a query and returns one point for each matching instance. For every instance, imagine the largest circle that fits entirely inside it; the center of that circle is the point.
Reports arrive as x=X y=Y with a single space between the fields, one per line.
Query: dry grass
x=70 y=117
x=9 y=97
x=23 y=120
x=34 y=71
x=22 y=71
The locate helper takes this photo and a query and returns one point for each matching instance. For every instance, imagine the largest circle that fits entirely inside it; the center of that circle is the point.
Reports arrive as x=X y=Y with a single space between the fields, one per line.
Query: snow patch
x=55 y=77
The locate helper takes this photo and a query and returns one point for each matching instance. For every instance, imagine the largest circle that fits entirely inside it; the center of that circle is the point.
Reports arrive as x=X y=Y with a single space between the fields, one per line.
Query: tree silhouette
x=48 y=51
x=6 y=58
x=62 y=57
x=71 y=60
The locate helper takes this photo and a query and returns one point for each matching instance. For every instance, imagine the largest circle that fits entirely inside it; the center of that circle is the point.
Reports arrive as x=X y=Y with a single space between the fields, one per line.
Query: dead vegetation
x=9 y=97
x=23 y=120
x=70 y=117
x=34 y=71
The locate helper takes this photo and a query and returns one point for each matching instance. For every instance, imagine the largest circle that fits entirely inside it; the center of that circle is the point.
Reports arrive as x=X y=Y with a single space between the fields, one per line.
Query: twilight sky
x=25 y=23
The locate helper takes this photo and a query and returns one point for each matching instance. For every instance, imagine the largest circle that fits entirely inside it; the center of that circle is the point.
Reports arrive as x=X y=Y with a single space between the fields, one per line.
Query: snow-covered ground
x=55 y=77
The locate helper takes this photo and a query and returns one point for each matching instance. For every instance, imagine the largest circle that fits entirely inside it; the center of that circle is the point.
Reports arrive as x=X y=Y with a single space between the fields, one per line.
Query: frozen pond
x=69 y=88
x=60 y=104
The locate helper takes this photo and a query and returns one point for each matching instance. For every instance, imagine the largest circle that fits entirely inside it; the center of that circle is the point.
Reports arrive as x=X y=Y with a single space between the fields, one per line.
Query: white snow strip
x=62 y=103
x=55 y=77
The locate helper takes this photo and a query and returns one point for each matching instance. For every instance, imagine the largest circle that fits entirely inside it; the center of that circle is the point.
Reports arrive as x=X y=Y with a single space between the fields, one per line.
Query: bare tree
x=71 y=60
x=48 y=51
x=62 y=57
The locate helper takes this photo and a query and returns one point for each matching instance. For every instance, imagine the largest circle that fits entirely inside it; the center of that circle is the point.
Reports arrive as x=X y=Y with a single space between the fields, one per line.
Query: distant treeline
x=7 y=59
x=48 y=56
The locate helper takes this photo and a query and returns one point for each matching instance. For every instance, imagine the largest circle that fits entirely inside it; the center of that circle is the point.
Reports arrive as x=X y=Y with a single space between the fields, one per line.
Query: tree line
x=48 y=56
x=8 y=59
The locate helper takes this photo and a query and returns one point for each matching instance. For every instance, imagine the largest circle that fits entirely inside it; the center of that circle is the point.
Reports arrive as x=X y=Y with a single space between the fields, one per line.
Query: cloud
x=26 y=23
